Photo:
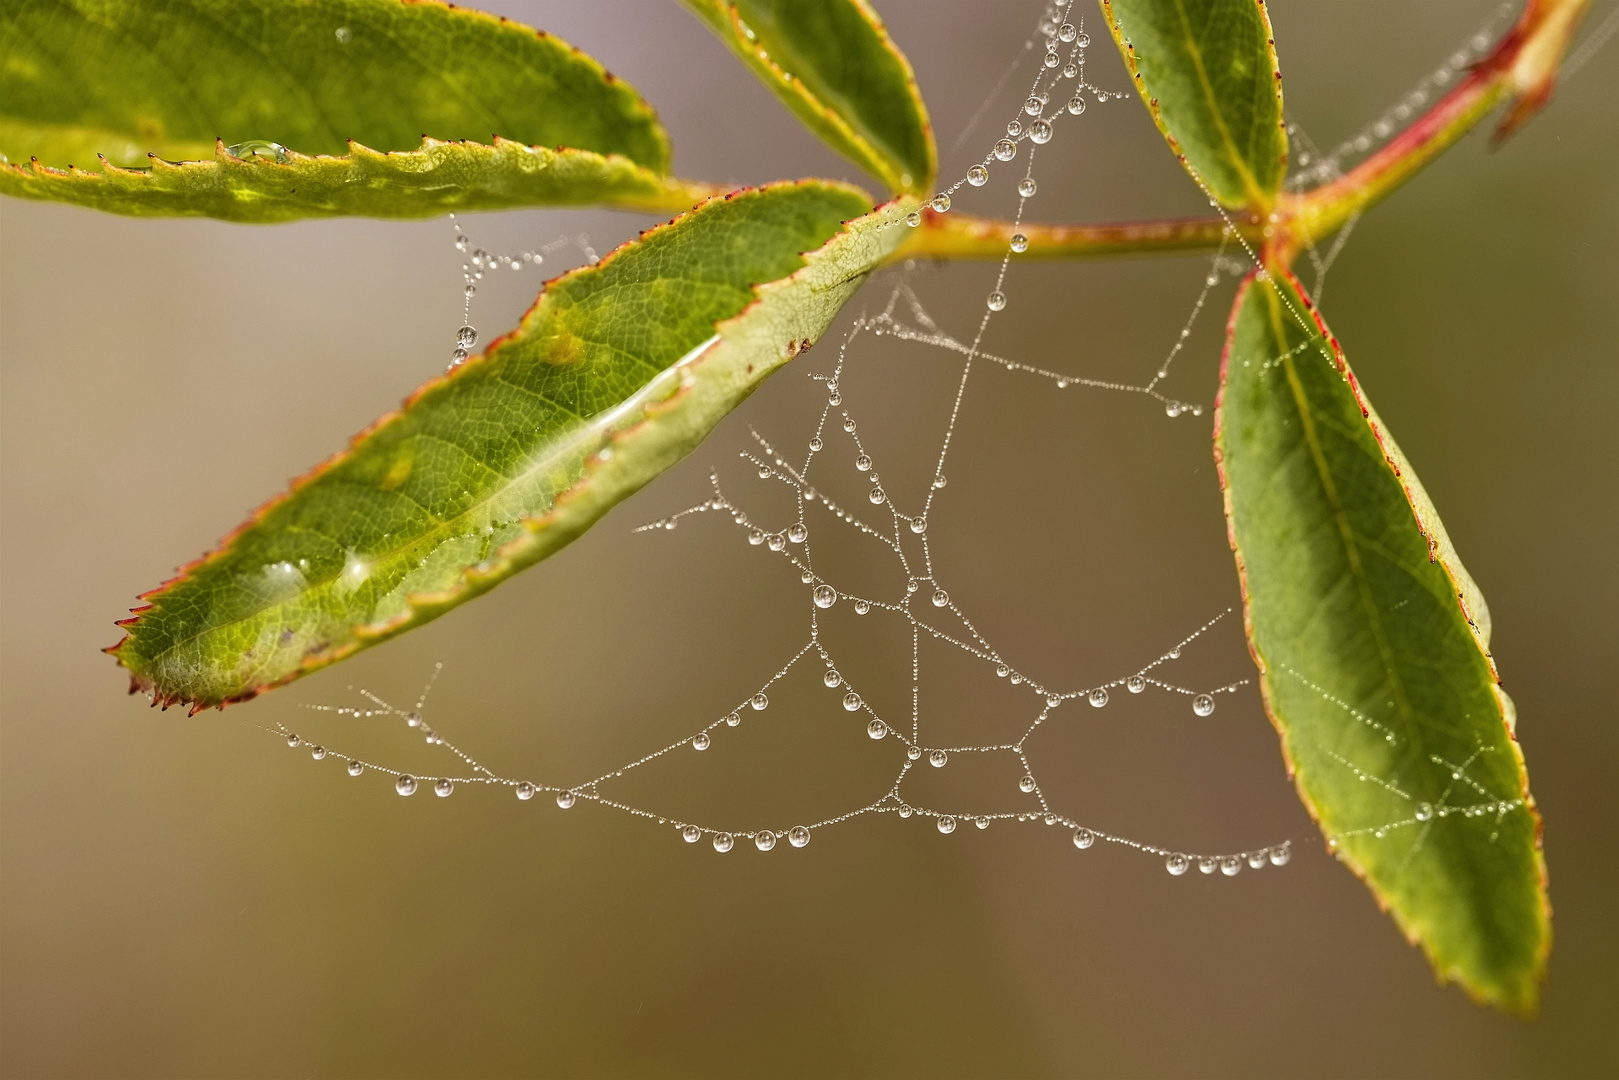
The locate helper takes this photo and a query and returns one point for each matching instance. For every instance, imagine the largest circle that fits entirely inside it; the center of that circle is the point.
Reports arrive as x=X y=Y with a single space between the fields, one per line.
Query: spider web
x=896 y=520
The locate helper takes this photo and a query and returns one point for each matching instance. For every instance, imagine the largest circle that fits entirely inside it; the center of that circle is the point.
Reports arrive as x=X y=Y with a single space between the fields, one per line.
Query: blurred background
x=186 y=896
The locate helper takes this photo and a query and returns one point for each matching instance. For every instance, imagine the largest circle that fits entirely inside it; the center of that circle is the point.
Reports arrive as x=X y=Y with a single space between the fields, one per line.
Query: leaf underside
x=1372 y=646
x=832 y=63
x=1207 y=71
x=145 y=82
x=618 y=371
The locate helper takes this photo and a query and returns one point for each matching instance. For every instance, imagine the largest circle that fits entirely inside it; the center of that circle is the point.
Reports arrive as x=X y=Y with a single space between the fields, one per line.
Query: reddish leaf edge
x=1440 y=552
x=423 y=607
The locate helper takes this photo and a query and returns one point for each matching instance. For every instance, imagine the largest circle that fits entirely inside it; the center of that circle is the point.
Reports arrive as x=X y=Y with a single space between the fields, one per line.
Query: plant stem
x=962 y=236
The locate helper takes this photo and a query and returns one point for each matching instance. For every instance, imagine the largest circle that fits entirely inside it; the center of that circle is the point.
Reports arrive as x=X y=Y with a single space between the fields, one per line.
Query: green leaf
x=141 y=82
x=832 y=63
x=1373 y=649
x=618 y=371
x=1206 y=70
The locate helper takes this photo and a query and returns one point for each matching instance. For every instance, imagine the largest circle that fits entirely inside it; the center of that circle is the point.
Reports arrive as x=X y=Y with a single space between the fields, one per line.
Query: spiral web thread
x=904 y=318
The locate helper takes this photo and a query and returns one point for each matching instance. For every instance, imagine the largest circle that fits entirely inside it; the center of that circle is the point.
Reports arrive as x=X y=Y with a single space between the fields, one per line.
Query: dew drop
x=1026 y=784
x=1040 y=132
x=1098 y=697
x=1084 y=41
x=937 y=758
x=756 y=537
x=905 y=811
x=913 y=219
x=1203 y=705
x=1051 y=60
x=259 y=149
x=1208 y=864
x=470 y=291
x=798 y=836
x=691 y=834
x=1005 y=150
x=525 y=791
x=913 y=752
x=863 y=463
x=317 y=752
x=851 y=701
x=565 y=799
x=701 y=741
x=356 y=768
x=724 y=842
x=466 y=337
x=1256 y=859
x=1280 y=855
x=797 y=532
x=759 y=701
x=1076 y=105
x=876 y=495
x=1177 y=864
x=1067 y=32
x=996 y=301
x=1070 y=70
x=877 y=729
x=940 y=203
x=861 y=607
x=1020 y=243
x=405 y=785
x=1083 y=838
x=1424 y=811
x=1032 y=106
x=832 y=678
x=1231 y=865
x=947 y=825
x=775 y=541
x=919 y=524
x=442 y=787
x=1014 y=128
x=1135 y=684
x=816 y=443
x=825 y=596
x=1001 y=670
x=733 y=720
x=293 y=740
x=940 y=598
x=1175 y=653
x=938 y=482
x=977 y=176
x=764 y=841
x=764 y=472
x=1027 y=186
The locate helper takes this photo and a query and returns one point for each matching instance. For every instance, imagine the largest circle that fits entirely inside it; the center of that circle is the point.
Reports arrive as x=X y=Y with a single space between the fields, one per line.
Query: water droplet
x=825 y=596
x=1015 y=128
x=861 y=607
x=756 y=537
x=775 y=541
x=1032 y=106
x=832 y=678
x=733 y=720
x=470 y=291
x=1231 y=865
x=764 y=841
x=977 y=176
x=1001 y=670
x=1084 y=41
x=1280 y=855
x=764 y=472
x=1083 y=838
x=1208 y=864
x=480 y=256
x=996 y=301
x=877 y=729
x=797 y=532
x=1098 y=697
x=905 y=811
x=1424 y=811
x=1051 y=60
x=937 y=758
x=947 y=825
x=913 y=752
x=1040 y=132
x=1177 y=864
x=405 y=785
x=565 y=799
x=413 y=719
x=1256 y=859
x=1027 y=186
x=525 y=791
x=759 y=701
x=1005 y=150
x=442 y=787
x=1067 y=32
x=913 y=219
x=1175 y=653
x=816 y=444
x=798 y=836
x=851 y=700
x=940 y=203
x=1020 y=243
x=466 y=337
x=691 y=834
x=1026 y=784
x=938 y=482
x=863 y=463
x=1070 y=70
x=876 y=495
x=259 y=150
x=1076 y=105
x=919 y=525
x=724 y=842
x=1203 y=705
x=1135 y=684
x=701 y=741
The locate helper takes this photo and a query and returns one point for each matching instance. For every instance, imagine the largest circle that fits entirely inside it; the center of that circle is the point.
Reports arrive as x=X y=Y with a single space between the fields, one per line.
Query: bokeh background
x=186 y=896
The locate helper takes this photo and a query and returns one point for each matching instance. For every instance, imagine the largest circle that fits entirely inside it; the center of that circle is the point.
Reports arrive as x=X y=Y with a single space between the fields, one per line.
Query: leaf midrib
x=1256 y=197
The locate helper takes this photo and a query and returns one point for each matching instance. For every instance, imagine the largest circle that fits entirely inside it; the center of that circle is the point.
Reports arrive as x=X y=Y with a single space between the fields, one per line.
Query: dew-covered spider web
x=893 y=520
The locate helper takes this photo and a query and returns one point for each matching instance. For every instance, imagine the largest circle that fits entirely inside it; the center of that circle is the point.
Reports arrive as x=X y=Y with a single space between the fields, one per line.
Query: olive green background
x=189 y=897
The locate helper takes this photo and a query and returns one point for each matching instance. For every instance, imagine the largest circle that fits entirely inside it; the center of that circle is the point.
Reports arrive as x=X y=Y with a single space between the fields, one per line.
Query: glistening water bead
x=940 y=203
x=1230 y=865
x=977 y=176
x=825 y=596
x=1424 y=811
x=1097 y=698
x=317 y=752
x=1076 y=105
x=691 y=834
x=947 y=825
x=525 y=791
x=863 y=463
x=776 y=541
x=937 y=758
x=798 y=836
x=996 y=301
x=1280 y=855
x=723 y=842
x=701 y=741
x=832 y=679
x=1005 y=150
x=1026 y=784
x=759 y=701
x=1015 y=128
x=565 y=799
x=1020 y=243
x=877 y=729
x=1203 y=705
x=1067 y=32
x=356 y=768
x=466 y=337
x=1177 y=864
x=764 y=841
x=1027 y=187
x=913 y=219
x=1032 y=106
x=798 y=532
x=442 y=788
x=940 y=598
x=1083 y=838
x=292 y=741
x=405 y=785
x=851 y=701
x=1040 y=132
x=1135 y=684
x=862 y=606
